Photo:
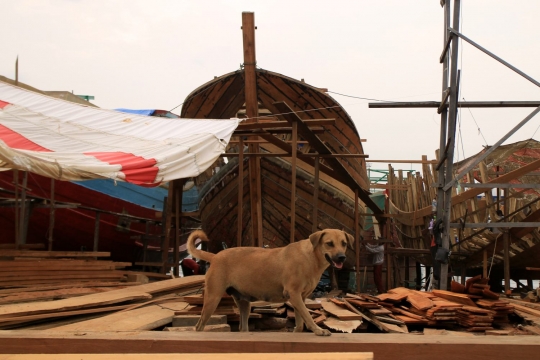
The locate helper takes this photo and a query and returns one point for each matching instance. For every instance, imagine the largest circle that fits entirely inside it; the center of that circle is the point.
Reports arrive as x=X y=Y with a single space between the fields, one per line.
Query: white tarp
x=68 y=141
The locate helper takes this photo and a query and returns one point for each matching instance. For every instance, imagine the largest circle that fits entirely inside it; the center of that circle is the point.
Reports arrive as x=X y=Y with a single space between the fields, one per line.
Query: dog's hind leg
x=244 y=306
x=300 y=308
x=213 y=293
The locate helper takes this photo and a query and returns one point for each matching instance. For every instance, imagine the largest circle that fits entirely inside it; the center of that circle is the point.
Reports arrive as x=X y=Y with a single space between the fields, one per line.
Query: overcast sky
x=152 y=54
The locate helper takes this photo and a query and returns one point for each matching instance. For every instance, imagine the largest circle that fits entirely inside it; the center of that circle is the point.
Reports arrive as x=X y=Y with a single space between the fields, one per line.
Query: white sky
x=152 y=54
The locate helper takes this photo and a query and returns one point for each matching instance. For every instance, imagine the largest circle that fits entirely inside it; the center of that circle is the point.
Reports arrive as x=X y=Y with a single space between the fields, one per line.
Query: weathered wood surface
x=339 y=312
x=53 y=254
x=283 y=356
x=145 y=318
x=384 y=347
x=138 y=292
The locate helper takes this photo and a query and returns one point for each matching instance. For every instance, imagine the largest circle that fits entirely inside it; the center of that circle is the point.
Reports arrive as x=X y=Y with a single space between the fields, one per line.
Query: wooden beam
x=240 y=205
x=52 y=219
x=319 y=146
x=315 y=212
x=462 y=104
x=384 y=347
x=178 y=195
x=165 y=242
x=279 y=124
x=404 y=161
x=300 y=155
x=408 y=218
x=96 y=232
x=357 y=241
x=252 y=111
x=209 y=356
x=506 y=243
x=53 y=254
x=293 y=178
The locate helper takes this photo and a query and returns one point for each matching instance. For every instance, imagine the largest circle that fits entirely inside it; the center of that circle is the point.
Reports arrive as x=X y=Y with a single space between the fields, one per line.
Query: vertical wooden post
x=96 y=231
x=294 y=149
x=407 y=268
x=485 y=264
x=240 y=191
x=356 y=239
x=252 y=112
x=23 y=218
x=389 y=270
x=178 y=194
x=167 y=231
x=16 y=181
x=450 y=143
x=314 y=217
x=51 y=218
x=145 y=243
x=506 y=240
x=463 y=274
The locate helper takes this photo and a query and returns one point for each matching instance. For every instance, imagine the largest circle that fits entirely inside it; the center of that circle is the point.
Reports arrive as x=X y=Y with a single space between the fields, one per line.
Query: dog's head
x=333 y=245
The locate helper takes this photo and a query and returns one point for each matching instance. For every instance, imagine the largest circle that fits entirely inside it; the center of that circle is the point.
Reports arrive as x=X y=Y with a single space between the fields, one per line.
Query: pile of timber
x=267 y=316
x=438 y=308
x=478 y=289
x=32 y=270
x=139 y=307
x=475 y=319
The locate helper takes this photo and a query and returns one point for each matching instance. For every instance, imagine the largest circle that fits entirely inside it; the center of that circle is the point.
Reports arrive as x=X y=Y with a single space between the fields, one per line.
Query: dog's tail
x=192 y=249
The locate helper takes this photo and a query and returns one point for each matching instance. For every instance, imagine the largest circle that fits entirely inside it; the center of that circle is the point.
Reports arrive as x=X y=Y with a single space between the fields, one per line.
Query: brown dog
x=290 y=273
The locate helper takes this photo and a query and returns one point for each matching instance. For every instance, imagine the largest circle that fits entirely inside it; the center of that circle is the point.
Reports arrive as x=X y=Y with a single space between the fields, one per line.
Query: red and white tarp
x=68 y=141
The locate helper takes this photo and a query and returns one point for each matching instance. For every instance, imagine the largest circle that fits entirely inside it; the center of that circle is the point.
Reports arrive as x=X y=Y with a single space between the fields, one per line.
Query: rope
x=493 y=257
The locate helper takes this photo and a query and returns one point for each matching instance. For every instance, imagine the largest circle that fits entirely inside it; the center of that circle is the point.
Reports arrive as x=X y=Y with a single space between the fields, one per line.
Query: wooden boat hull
x=224 y=97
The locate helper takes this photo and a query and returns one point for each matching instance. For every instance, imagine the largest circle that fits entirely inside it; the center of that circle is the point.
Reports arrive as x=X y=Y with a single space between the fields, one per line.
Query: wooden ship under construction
x=294 y=166
x=304 y=169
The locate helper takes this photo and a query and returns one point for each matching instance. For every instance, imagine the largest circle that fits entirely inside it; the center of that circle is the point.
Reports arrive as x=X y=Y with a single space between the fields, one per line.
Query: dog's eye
x=330 y=244
x=343 y=243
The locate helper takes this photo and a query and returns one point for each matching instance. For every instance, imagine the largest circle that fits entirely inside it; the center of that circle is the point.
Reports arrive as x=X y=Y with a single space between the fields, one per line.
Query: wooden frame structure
x=446 y=178
x=295 y=165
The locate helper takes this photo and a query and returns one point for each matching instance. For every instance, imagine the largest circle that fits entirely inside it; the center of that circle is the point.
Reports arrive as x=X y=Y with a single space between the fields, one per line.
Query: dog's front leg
x=300 y=309
x=299 y=322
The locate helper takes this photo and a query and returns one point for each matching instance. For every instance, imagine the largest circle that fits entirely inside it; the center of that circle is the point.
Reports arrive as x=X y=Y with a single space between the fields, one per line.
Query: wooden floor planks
x=384 y=347
x=145 y=318
x=282 y=356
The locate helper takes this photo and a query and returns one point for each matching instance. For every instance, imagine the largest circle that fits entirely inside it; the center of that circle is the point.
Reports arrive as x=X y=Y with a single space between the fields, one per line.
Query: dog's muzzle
x=336 y=262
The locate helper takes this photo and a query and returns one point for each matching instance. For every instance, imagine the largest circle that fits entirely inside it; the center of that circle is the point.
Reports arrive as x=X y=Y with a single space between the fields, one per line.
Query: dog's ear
x=350 y=239
x=316 y=237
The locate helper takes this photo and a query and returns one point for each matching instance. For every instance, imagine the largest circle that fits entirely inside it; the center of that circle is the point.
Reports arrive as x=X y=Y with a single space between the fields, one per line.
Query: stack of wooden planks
x=478 y=289
x=23 y=272
x=500 y=308
x=475 y=318
x=137 y=305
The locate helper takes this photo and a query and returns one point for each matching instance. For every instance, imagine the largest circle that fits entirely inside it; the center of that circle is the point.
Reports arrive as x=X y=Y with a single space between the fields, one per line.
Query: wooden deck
x=383 y=346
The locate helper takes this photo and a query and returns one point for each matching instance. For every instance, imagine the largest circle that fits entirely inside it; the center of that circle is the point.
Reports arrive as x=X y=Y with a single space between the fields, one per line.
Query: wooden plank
x=36 y=288
x=27 y=318
x=207 y=328
x=49 y=295
x=455 y=297
x=138 y=292
x=176 y=356
x=145 y=318
x=342 y=326
x=53 y=254
x=191 y=320
x=385 y=347
x=419 y=302
x=339 y=312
